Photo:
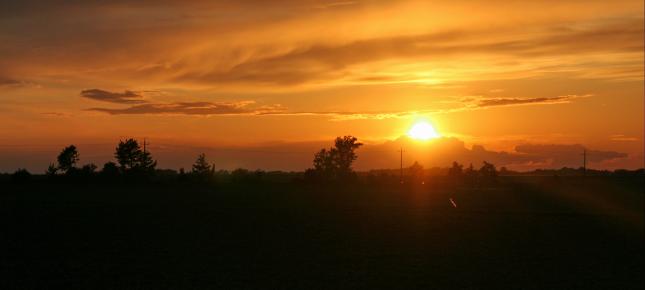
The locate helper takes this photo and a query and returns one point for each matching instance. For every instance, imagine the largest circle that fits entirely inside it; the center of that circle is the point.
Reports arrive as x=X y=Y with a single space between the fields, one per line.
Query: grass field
x=522 y=233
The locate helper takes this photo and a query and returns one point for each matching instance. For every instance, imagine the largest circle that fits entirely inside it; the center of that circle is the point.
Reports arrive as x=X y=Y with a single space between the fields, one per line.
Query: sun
x=423 y=131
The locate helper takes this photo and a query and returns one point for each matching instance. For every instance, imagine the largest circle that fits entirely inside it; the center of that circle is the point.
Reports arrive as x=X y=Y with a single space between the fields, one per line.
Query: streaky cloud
x=127 y=97
x=247 y=108
x=492 y=102
x=194 y=108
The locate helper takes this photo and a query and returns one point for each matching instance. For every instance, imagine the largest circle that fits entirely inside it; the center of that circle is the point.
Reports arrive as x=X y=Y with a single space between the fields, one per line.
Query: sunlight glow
x=423 y=131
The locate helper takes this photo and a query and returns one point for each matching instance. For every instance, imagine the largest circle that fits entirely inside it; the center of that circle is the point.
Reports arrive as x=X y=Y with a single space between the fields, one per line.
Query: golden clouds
x=250 y=46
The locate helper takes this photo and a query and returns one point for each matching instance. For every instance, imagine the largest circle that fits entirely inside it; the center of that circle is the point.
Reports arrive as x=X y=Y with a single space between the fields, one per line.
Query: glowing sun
x=423 y=131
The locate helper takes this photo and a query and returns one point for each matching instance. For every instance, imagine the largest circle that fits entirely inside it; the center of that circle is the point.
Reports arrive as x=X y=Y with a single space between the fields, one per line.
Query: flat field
x=521 y=233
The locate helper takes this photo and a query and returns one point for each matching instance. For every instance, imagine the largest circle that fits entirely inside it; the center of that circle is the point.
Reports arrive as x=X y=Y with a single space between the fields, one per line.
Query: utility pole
x=401 y=176
x=584 y=162
x=144 y=145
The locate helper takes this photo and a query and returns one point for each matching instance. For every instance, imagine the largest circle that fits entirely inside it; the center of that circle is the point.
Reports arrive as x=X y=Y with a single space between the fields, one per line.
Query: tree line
x=330 y=165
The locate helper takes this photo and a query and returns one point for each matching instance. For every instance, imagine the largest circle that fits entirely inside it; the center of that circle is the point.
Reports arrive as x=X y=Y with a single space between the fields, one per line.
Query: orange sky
x=246 y=74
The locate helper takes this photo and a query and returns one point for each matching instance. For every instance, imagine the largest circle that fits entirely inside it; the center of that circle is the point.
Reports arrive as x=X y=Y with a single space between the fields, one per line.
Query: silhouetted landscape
x=322 y=144
x=132 y=226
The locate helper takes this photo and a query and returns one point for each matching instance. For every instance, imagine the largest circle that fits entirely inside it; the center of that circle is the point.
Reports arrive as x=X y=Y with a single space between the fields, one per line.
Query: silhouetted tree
x=201 y=166
x=416 y=172
x=335 y=163
x=67 y=158
x=146 y=163
x=488 y=172
x=324 y=164
x=110 y=170
x=470 y=175
x=240 y=174
x=89 y=169
x=346 y=155
x=21 y=176
x=52 y=170
x=131 y=158
x=127 y=154
x=456 y=171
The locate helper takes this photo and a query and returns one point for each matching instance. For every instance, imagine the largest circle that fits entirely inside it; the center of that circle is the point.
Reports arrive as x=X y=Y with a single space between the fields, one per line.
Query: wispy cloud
x=492 y=102
x=195 y=108
x=55 y=114
x=338 y=63
x=8 y=82
x=127 y=97
x=4 y=81
x=250 y=108
x=622 y=138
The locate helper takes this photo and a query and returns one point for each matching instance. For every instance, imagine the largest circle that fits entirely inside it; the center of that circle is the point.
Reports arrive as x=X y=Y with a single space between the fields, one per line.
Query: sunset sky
x=263 y=84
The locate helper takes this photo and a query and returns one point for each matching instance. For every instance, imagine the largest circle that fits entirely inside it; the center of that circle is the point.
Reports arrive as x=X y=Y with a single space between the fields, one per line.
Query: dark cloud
x=517 y=101
x=127 y=97
x=195 y=108
x=566 y=155
x=8 y=82
x=442 y=152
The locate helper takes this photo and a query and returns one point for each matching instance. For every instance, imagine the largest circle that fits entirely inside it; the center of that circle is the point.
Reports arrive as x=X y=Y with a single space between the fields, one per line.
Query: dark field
x=524 y=233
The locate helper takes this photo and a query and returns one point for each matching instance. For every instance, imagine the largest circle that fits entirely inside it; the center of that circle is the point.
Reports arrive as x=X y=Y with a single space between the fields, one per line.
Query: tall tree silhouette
x=131 y=158
x=67 y=158
x=145 y=162
x=201 y=166
x=127 y=154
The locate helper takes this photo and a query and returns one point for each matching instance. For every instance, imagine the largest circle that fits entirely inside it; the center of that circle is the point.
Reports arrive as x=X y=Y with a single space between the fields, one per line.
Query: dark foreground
x=525 y=233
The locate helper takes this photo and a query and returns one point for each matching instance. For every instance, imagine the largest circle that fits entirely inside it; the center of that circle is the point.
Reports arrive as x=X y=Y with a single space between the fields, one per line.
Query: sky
x=265 y=84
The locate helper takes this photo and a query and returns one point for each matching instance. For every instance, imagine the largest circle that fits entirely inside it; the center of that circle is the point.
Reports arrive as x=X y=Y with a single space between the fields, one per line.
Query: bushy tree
x=127 y=154
x=324 y=164
x=132 y=159
x=67 y=158
x=488 y=170
x=110 y=170
x=346 y=154
x=21 y=176
x=89 y=169
x=335 y=163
